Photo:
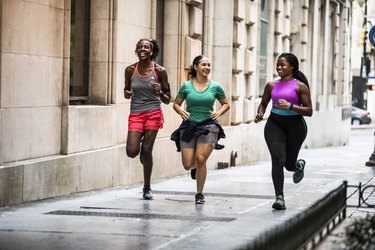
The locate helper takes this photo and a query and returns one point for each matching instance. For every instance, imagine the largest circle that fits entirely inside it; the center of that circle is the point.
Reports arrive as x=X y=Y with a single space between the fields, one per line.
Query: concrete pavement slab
x=237 y=209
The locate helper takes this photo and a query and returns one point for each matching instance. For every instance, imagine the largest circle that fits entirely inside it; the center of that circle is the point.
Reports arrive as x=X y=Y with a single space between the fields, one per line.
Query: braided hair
x=154 y=47
x=192 y=70
x=297 y=74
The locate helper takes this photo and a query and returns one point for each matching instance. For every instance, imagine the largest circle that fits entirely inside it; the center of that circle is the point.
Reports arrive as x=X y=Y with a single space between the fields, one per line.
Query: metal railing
x=366 y=195
x=302 y=229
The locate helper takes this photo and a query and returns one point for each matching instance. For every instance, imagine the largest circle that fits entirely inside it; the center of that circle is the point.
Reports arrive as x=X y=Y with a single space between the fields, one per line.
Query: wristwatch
x=290 y=106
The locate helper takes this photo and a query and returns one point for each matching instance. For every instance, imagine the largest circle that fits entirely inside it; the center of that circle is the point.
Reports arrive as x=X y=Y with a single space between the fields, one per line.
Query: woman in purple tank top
x=286 y=129
x=146 y=84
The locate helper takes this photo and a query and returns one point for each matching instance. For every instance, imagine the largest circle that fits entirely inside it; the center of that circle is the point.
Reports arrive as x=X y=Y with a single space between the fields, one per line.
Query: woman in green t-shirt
x=200 y=131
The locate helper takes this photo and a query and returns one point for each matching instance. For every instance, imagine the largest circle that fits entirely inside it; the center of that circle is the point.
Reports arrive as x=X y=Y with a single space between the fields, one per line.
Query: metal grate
x=146 y=216
x=248 y=196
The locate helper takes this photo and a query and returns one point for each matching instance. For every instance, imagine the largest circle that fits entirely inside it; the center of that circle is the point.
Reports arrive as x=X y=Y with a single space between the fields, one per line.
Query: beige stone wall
x=244 y=87
x=49 y=148
x=31 y=78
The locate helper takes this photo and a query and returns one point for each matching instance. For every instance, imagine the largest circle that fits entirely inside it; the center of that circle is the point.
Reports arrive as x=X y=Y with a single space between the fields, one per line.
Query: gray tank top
x=144 y=98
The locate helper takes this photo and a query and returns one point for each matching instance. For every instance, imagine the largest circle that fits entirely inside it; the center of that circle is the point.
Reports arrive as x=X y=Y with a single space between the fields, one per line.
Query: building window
x=263 y=45
x=79 y=51
x=160 y=28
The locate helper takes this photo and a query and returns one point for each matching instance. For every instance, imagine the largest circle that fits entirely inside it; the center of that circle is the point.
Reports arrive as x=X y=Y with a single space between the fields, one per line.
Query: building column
x=327 y=40
x=223 y=50
x=314 y=63
x=340 y=58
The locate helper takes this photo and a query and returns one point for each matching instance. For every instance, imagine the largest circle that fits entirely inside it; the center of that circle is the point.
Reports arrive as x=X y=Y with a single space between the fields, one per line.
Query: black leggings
x=284 y=137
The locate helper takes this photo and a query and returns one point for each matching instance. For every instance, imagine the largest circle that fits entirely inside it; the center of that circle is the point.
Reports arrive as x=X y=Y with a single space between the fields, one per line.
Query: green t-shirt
x=200 y=105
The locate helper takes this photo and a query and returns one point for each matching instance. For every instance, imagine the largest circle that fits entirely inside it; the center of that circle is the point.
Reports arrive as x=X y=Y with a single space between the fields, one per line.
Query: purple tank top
x=285 y=90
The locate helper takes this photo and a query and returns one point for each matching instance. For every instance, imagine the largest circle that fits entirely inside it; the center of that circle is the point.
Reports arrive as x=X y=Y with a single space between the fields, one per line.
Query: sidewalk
x=237 y=209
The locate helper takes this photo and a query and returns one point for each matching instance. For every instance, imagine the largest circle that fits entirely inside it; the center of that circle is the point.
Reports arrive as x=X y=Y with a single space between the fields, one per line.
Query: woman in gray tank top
x=146 y=84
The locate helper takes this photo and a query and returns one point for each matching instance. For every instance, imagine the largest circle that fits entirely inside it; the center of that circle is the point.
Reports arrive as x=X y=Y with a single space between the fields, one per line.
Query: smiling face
x=283 y=67
x=143 y=49
x=204 y=67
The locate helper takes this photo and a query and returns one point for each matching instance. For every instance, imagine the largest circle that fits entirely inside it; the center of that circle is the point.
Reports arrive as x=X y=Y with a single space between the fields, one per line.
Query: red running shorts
x=152 y=120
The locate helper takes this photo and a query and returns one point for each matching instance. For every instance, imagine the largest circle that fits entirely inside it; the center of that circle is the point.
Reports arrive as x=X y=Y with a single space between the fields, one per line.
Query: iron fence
x=302 y=230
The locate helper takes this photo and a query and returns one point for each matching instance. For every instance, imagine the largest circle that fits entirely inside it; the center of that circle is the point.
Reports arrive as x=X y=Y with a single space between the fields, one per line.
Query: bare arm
x=164 y=89
x=177 y=107
x=224 y=108
x=128 y=74
x=305 y=98
x=264 y=102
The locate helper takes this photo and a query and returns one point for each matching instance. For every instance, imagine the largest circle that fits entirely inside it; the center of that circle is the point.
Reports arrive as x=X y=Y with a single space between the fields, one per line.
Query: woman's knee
x=187 y=166
x=200 y=160
x=146 y=150
x=278 y=161
x=132 y=153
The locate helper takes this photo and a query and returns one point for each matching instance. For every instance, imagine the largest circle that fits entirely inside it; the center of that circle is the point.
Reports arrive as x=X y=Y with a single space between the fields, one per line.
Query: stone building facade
x=63 y=118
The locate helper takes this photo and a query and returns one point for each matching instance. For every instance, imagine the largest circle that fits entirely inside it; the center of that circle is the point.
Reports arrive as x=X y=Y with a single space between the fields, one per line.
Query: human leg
x=295 y=138
x=202 y=152
x=146 y=155
x=204 y=147
x=276 y=140
x=135 y=133
x=276 y=143
x=133 y=143
x=188 y=160
x=147 y=161
x=132 y=150
x=152 y=122
x=188 y=155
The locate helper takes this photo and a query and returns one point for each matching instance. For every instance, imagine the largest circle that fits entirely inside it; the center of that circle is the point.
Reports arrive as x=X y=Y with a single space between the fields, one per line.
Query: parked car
x=360 y=116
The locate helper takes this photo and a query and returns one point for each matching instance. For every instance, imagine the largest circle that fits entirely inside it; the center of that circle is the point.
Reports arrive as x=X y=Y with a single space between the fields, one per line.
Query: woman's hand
x=156 y=87
x=128 y=94
x=264 y=102
x=177 y=107
x=215 y=115
x=283 y=104
x=224 y=108
x=184 y=114
x=259 y=118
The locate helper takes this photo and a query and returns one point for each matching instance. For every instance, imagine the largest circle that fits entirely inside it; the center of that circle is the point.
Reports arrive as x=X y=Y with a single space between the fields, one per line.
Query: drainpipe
x=233 y=157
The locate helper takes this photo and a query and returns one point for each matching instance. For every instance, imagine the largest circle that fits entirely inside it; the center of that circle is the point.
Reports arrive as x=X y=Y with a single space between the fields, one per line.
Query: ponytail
x=192 y=71
x=297 y=74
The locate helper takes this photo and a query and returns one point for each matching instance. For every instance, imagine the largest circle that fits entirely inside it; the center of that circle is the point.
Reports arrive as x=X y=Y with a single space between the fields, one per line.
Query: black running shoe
x=147 y=195
x=279 y=204
x=299 y=173
x=193 y=172
x=199 y=198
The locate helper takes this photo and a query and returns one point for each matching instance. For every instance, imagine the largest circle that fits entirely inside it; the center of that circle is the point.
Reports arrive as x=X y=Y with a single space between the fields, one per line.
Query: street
x=237 y=209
